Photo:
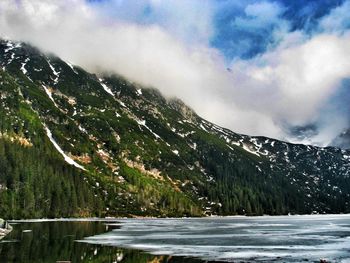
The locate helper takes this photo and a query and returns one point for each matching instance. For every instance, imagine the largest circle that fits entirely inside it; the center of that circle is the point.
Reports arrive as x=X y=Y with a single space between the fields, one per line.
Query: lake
x=189 y=240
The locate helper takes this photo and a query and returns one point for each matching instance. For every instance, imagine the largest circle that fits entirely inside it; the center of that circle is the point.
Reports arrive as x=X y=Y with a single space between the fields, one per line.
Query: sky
x=276 y=68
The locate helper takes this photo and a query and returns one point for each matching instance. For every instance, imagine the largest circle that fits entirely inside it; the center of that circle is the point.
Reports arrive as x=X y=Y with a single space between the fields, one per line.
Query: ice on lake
x=247 y=239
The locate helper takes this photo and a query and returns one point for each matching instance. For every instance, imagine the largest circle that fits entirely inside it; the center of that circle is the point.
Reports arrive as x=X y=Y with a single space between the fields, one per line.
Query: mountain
x=342 y=140
x=76 y=144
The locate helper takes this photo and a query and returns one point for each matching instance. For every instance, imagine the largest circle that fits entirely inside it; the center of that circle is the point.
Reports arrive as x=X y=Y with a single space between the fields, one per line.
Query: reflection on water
x=39 y=242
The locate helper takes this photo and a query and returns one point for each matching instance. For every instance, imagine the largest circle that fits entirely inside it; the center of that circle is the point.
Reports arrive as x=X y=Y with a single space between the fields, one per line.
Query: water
x=228 y=239
x=247 y=239
x=51 y=241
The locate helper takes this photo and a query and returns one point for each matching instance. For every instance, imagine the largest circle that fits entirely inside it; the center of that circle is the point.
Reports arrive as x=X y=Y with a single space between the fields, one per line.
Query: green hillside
x=76 y=144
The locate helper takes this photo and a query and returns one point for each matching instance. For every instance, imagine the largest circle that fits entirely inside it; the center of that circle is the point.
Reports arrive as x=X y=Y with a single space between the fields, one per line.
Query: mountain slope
x=342 y=140
x=129 y=151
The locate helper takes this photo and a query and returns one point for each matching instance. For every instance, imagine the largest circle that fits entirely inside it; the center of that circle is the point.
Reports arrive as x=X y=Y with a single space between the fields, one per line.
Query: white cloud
x=294 y=83
x=261 y=15
x=290 y=84
x=337 y=20
x=191 y=21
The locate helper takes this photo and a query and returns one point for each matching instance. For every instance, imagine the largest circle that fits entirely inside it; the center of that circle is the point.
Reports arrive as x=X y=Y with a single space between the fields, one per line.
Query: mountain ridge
x=138 y=153
x=342 y=140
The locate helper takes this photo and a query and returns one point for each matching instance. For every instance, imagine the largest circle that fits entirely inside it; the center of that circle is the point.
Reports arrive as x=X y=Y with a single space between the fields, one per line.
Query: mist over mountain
x=343 y=140
x=288 y=60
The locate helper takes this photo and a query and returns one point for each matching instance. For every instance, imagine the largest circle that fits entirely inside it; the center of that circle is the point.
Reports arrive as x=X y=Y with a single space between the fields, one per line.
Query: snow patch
x=11 y=59
x=82 y=129
x=122 y=103
x=23 y=69
x=72 y=67
x=203 y=128
x=57 y=74
x=59 y=149
x=143 y=123
x=10 y=46
x=235 y=143
x=245 y=147
x=105 y=87
x=49 y=94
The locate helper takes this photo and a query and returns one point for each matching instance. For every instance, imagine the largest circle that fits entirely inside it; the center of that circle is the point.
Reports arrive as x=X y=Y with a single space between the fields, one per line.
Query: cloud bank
x=291 y=78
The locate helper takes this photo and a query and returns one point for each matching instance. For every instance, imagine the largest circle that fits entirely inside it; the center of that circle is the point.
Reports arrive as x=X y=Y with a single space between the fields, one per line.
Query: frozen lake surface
x=190 y=240
x=236 y=239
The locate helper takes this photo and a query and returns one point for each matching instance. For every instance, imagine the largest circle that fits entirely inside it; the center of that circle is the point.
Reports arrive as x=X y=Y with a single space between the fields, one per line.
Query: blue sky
x=239 y=31
x=258 y=35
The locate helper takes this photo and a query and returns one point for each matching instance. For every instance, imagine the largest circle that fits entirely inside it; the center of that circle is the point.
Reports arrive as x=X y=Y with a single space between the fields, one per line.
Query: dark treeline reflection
x=55 y=241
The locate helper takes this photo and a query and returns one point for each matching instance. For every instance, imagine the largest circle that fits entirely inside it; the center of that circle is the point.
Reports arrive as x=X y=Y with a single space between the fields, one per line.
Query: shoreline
x=106 y=219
